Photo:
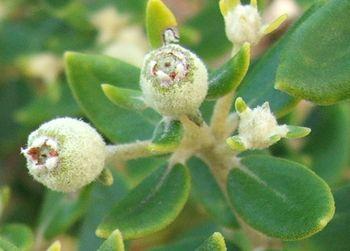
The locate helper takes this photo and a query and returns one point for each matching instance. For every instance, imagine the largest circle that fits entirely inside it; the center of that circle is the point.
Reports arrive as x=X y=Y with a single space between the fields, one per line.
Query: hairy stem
x=124 y=152
x=195 y=138
x=220 y=159
x=221 y=112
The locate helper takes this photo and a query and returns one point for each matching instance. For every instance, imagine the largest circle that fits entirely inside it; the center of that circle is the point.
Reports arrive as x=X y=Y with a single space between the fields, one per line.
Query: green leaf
x=236 y=143
x=240 y=105
x=280 y=198
x=215 y=242
x=136 y=174
x=102 y=200
x=125 y=98
x=316 y=61
x=207 y=191
x=258 y=85
x=85 y=74
x=328 y=145
x=227 y=5
x=150 y=206
x=4 y=198
x=113 y=243
x=295 y=132
x=228 y=77
x=106 y=177
x=335 y=236
x=5 y=245
x=18 y=234
x=305 y=4
x=158 y=19
x=60 y=211
x=56 y=246
x=167 y=136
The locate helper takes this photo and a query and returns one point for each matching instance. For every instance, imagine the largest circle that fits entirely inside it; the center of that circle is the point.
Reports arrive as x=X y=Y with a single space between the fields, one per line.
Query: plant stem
x=221 y=112
x=195 y=138
x=124 y=152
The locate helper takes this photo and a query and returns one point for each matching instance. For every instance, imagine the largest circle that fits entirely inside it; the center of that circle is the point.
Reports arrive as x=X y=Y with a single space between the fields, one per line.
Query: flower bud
x=258 y=127
x=174 y=81
x=243 y=24
x=65 y=154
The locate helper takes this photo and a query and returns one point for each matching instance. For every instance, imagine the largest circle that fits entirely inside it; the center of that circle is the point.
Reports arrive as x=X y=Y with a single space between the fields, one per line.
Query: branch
x=220 y=116
x=124 y=152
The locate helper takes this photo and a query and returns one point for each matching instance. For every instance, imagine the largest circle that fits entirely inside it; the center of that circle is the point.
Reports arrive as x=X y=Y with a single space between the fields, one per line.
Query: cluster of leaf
x=300 y=63
x=299 y=202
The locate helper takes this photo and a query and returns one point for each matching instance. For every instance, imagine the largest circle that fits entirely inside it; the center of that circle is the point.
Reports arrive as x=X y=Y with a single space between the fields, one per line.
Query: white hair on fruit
x=174 y=81
x=65 y=154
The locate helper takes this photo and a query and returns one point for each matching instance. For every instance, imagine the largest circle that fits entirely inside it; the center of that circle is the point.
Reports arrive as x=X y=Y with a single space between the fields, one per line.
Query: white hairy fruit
x=243 y=24
x=257 y=126
x=174 y=81
x=65 y=154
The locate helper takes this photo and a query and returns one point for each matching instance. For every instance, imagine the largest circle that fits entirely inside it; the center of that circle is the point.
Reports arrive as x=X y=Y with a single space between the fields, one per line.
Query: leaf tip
x=56 y=246
x=102 y=233
x=218 y=236
x=240 y=105
x=295 y=132
x=68 y=55
x=236 y=143
x=246 y=48
x=106 y=88
x=158 y=18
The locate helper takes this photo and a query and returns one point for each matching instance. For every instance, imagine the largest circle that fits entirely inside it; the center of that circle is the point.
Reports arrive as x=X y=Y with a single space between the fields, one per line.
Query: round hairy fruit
x=65 y=154
x=174 y=81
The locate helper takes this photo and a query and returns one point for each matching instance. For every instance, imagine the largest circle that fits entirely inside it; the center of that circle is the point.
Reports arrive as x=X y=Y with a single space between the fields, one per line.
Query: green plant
x=200 y=131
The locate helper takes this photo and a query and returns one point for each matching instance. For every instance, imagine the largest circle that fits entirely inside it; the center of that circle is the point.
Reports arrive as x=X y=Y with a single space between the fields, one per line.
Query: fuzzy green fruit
x=174 y=81
x=65 y=154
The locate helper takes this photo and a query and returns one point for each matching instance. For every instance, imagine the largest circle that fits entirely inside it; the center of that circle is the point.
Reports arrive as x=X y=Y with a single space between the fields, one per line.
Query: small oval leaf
x=125 y=98
x=167 y=136
x=60 y=211
x=316 y=62
x=106 y=177
x=228 y=77
x=85 y=75
x=150 y=206
x=216 y=242
x=295 y=132
x=113 y=243
x=280 y=198
x=158 y=19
